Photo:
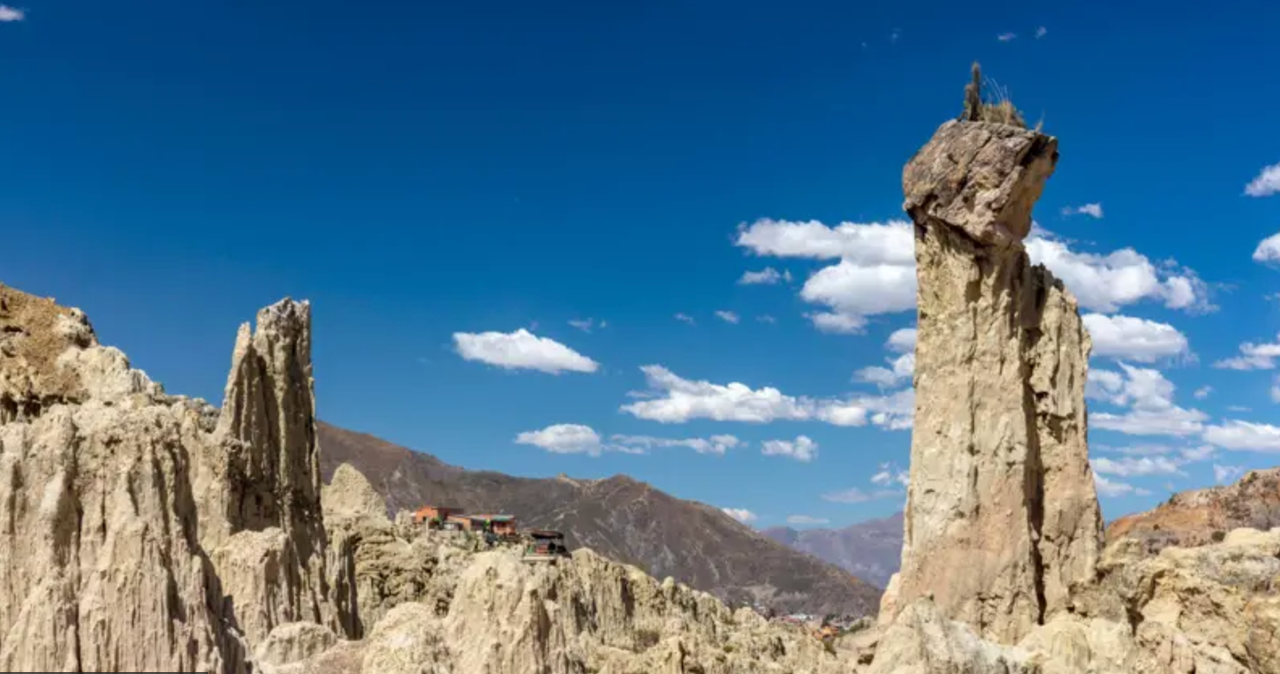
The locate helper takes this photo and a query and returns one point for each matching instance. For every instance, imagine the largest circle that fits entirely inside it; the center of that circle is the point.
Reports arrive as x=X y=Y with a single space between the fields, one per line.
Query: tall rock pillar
x=1002 y=516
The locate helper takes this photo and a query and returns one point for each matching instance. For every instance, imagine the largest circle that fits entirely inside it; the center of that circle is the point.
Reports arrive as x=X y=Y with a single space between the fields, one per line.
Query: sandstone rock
x=144 y=532
x=923 y=641
x=294 y=642
x=100 y=564
x=349 y=496
x=261 y=484
x=1000 y=482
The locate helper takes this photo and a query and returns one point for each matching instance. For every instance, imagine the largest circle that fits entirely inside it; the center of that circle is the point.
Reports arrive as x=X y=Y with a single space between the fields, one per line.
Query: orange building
x=428 y=513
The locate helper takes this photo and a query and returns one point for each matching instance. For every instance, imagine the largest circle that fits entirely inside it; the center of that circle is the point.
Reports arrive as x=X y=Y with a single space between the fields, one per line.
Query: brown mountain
x=870 y=550
x=618 y=517
x=1202 y=516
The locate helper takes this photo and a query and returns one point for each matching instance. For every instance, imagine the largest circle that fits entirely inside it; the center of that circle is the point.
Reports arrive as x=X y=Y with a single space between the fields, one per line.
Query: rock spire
x=1002 y=518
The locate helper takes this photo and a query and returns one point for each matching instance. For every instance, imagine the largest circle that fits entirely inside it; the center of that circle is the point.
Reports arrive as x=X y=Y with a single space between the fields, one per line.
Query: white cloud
x=521 y=350
x=902 y=341
x=1137 y=466
x=579 y=439
x=1253 y=357
x=685 y=318
x=1194 y=454
x=1041 y=32
x=806 y=520
x=716 y=444
x=801 y=449
x=767 y=276
x=1239 y=408
x=1007 y=37
x=1134 y=338
x=900 y=368
x=9 y=14
x=889 y=474
x=1266 y=184
x=1268 y=249
x=741 y=514
x=1202 y=392
x=673 y=399
x=837 y=323
x=681 y=400
x=564 y=439
x=856 y=495
x=850 y=287
x=1150 y=398
x=1110 y=488
x=728 y=317
x=1091 y=210
x=1244 y=435
x=587 y=324
x=1104 y=283
x=766 y=318
x=1275 y=390
x=1225 y=474
x=875 y=270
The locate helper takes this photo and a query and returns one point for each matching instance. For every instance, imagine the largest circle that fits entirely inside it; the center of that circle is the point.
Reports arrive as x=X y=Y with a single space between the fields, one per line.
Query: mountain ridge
x=619 y=517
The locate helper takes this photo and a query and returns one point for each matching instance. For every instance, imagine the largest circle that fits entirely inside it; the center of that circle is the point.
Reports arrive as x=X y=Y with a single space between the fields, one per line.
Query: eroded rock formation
x=1002 y=517
x=116 y=553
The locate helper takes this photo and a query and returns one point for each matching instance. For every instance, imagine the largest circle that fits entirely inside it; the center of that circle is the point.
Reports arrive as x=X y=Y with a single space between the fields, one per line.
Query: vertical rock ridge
x=1002 y=518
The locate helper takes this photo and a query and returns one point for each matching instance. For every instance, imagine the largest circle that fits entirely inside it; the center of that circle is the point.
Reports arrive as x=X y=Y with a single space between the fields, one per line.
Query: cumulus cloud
x=1104 y=283
x=685 y=318
x=580 y=439
x=1268 y=249
x=900 y=367
x=1253 y=357
x=1203 y=392
x=9 y=14
x=1137 y=466
x=1007 y=37
x=716 y=444
x=1041 y=32
x=564 y=439
x=1150 y=398
x=1134 y=338
x=1111 y=488
x=1244 y=435
x=741 y=514
x=673 y=399
x=856 y=495
x=1225 y=474
x=889 y=474
x=521 y=350
x=801 y=449
x=874 y=270
x=837 y=323
x=728 y=317
x=1091 y=210
x=1266 y=184
x=767 y=276
x=806 y=520
x=902 y=341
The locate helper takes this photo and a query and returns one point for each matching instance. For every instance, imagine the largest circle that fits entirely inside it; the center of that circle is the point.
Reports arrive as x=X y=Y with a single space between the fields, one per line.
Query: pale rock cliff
x=1000 y=481
x=116 y=553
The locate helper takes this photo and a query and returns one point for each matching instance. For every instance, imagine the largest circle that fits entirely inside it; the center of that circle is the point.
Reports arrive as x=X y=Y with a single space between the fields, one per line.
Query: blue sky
x=425 y=170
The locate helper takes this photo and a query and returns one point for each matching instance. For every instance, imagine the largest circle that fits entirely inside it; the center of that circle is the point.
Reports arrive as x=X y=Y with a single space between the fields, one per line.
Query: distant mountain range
x=870 y=550
x=618 y=517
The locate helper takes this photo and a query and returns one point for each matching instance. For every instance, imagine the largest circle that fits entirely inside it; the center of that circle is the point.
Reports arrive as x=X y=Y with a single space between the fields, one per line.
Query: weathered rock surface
x=585 y=614
x=1203 y=516
x=120 y=548
x=1000 y=480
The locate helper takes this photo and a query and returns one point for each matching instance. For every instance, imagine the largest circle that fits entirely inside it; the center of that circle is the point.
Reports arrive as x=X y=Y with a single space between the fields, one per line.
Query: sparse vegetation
x=986 y=100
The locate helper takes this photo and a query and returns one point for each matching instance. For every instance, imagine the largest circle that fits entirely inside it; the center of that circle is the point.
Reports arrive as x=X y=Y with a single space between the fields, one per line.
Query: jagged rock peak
x=1002 y=516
